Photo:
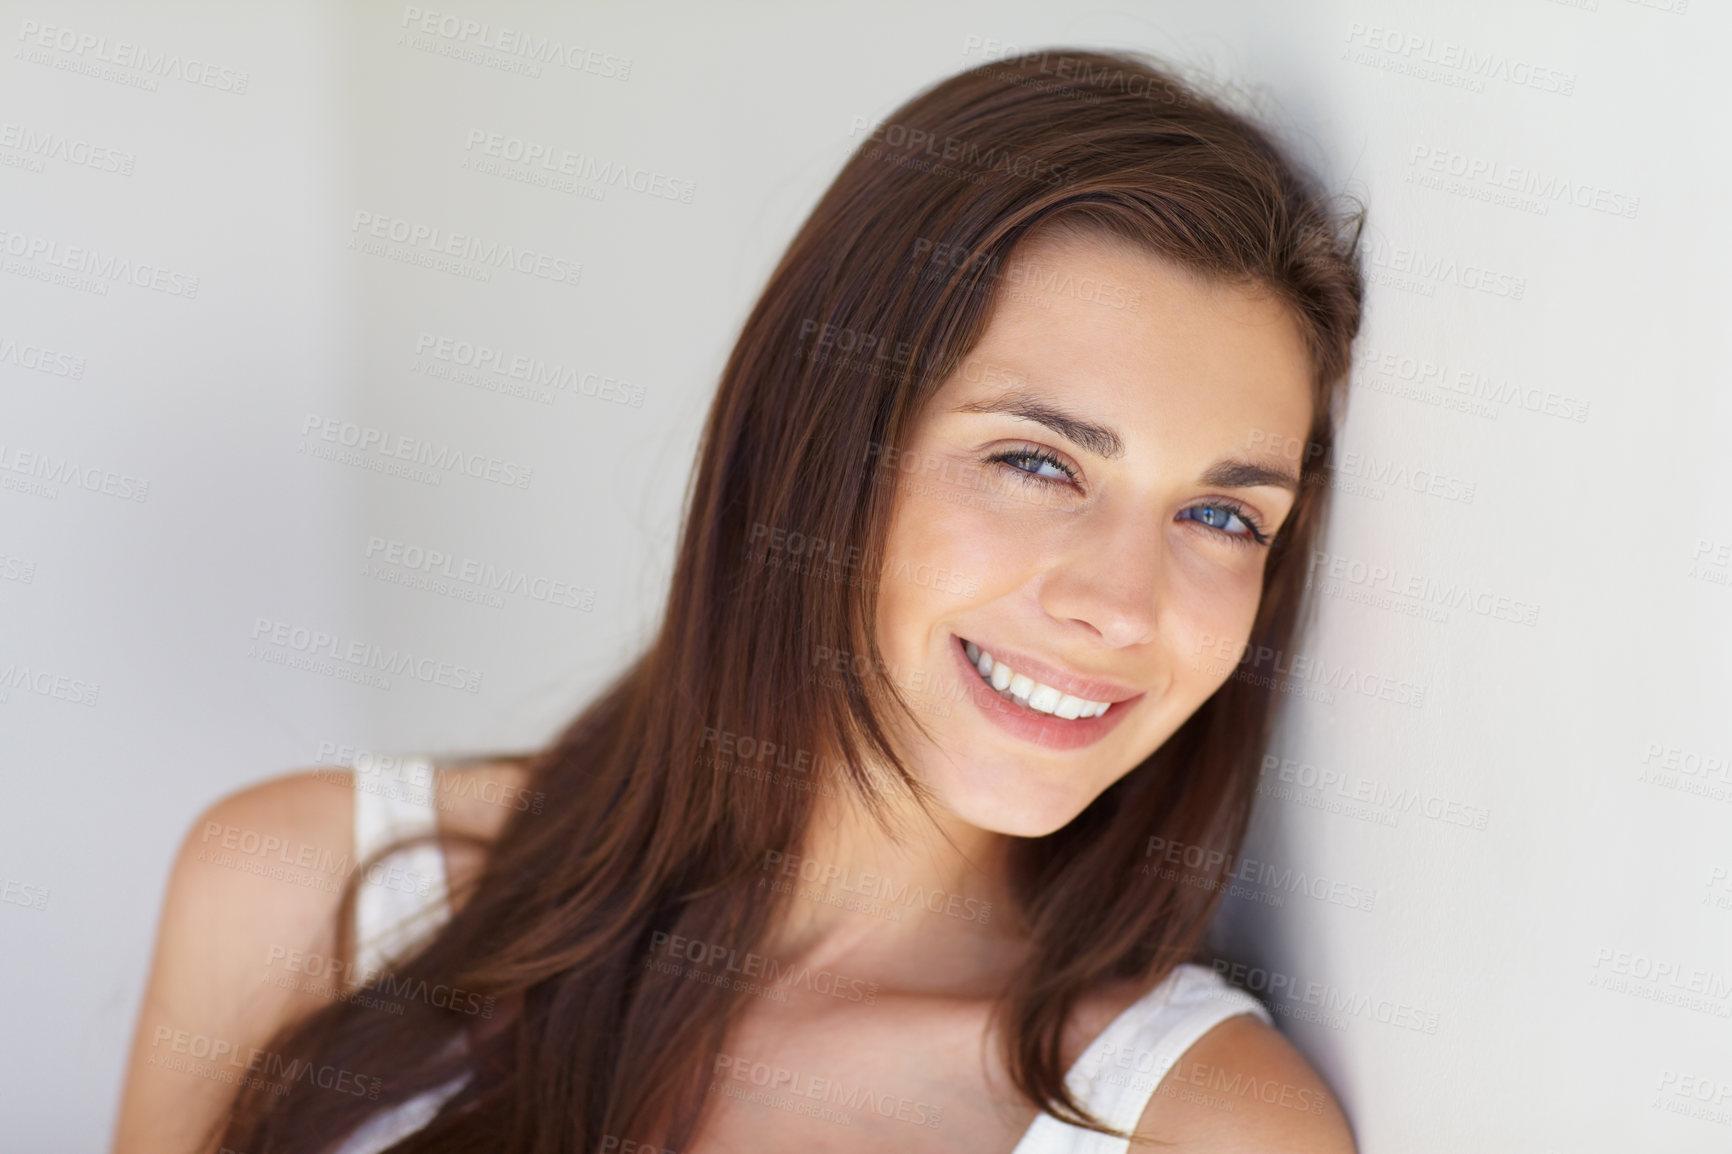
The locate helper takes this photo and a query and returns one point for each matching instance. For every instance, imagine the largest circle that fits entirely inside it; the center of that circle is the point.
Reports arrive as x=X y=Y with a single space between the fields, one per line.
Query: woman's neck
x=924 y=912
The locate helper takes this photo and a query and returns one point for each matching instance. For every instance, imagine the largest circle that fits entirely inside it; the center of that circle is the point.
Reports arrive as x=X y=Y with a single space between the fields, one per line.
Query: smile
x=1026 y=691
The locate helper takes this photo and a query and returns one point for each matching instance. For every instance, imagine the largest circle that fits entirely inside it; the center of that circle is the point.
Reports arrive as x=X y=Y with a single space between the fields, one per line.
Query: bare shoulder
x=1242 y=1087
x=474 y=802
x=258 y=878
x=247 y=937
x=478 y=798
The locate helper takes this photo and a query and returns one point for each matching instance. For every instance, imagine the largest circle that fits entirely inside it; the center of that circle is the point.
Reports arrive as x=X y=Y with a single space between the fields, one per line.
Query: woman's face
x=1083 y=500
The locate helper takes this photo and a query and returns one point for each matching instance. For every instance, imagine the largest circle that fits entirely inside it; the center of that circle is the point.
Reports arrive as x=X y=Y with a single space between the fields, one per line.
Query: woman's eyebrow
x=1104 y=442
x=1096 y=439
x=1249 y=475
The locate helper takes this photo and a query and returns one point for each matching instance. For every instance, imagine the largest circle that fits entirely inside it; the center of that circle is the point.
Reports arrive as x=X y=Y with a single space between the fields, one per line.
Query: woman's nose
x=1110 y=578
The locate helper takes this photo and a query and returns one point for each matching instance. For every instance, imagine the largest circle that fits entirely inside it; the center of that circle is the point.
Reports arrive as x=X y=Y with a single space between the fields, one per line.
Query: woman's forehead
x=1108 y=326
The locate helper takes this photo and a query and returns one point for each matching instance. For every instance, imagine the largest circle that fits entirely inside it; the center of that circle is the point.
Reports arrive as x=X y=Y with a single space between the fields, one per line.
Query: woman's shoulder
x=306 y=819
x=251 y=897
x=474 y=801
x=1242 y=1086
x=259 y=869
x=271 y=856
x=246 y=938
x=263 y=869
x=477 y=798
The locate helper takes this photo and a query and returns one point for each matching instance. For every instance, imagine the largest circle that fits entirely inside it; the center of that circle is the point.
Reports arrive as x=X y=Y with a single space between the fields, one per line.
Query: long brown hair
x=647 y=832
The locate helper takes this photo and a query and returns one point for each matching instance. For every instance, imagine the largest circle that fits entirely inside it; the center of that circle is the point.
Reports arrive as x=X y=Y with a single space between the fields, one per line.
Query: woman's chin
x=1011 y=808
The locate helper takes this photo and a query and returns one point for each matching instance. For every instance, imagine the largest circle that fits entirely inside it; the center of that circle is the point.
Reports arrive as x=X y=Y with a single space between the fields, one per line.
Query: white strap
x=404 y=896
x=390 y=1126
x=1117 y=1074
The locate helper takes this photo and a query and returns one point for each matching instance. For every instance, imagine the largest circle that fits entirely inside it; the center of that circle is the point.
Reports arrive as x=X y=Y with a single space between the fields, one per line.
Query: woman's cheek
x=1210 y=621
x=931 y=566
x=957 y=544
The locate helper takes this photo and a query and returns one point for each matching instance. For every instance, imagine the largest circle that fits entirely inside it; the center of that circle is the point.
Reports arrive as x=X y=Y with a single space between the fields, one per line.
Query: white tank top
x=1115 y=1077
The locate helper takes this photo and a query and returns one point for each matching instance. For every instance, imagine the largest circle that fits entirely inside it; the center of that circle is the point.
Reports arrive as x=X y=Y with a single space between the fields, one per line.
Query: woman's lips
x=1043 y=728
x=1091 y=688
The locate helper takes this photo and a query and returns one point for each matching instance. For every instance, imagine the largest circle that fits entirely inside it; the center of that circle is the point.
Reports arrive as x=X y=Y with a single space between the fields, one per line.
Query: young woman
x=906 y=828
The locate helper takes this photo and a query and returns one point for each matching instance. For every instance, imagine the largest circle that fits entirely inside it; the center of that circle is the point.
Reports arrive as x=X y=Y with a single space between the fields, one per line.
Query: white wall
x=1574 y=796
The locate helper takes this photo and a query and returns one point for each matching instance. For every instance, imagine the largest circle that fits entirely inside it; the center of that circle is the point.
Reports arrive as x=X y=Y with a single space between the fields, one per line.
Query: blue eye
x=1222 y=517
x=1046 y=466
x=1217 y=517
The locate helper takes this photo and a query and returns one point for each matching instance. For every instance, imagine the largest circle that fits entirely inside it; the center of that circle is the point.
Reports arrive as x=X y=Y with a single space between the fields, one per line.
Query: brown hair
x=648 y=833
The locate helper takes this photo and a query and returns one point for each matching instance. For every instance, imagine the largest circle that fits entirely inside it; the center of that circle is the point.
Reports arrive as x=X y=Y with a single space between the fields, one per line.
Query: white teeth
x=1044 y=698
x=1027 y=691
